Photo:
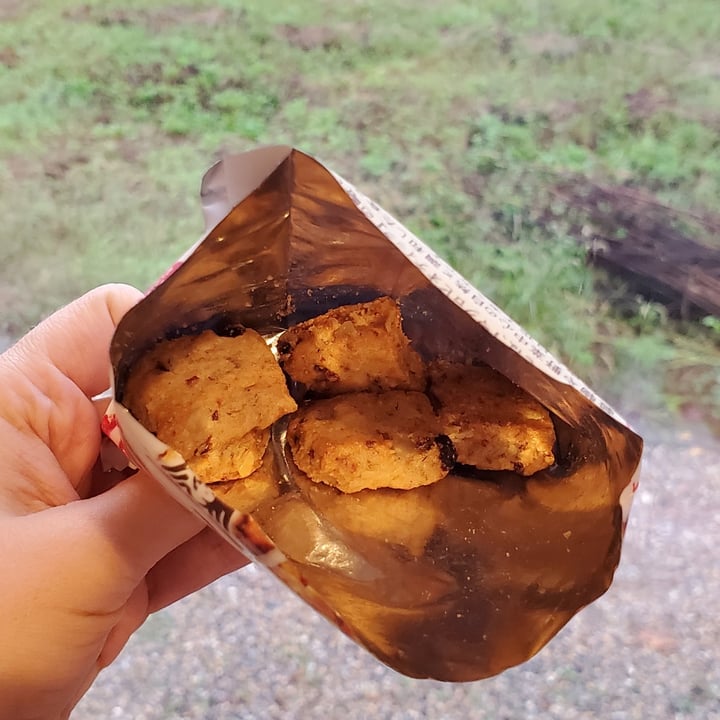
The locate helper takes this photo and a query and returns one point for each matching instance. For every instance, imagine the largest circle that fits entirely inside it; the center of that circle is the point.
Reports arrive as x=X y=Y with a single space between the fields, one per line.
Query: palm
x=87 y=566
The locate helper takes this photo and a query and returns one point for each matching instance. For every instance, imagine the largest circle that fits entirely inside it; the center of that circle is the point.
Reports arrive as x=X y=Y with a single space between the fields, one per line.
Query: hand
x=80 y=569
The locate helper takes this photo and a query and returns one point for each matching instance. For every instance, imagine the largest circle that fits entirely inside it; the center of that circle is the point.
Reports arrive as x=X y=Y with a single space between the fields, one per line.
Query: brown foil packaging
x=455 y=581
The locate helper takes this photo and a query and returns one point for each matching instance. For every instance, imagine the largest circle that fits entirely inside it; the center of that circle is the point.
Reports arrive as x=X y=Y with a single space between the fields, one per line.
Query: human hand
x=80 y=568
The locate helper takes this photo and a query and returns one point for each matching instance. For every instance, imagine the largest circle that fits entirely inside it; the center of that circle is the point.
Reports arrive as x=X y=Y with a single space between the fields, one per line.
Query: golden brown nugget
x=352 y=348
x=493 y=424
x=398 y=517
x=370 y=440
x=586 y=489
x=249 y=493
x=212 y=399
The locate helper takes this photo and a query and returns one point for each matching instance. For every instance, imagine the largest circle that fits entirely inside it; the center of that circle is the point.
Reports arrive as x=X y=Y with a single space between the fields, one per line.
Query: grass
x=459 y=117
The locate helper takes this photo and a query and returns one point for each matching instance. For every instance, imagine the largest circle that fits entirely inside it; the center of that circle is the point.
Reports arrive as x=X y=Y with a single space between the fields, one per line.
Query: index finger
x=76 y=338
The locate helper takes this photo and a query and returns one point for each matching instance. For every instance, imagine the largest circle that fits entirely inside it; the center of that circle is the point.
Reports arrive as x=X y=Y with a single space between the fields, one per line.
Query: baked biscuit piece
x=352 y=348
x=370 y=440
x=247 y=494
x=212 y=399
x=493 y=424
x=586 y=489
x=399 y=517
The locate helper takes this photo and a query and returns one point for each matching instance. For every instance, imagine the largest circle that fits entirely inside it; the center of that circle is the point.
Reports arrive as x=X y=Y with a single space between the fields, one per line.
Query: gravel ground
x=649 y=648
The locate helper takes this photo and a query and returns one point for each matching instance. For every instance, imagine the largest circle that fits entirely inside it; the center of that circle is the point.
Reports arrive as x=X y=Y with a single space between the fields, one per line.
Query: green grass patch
x=460 y=117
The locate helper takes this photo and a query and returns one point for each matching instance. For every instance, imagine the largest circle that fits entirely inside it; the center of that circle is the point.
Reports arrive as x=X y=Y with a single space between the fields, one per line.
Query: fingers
x=124 y=532
x=135 y=530
x=76 y=338
x=197 y=563
x=132 y=617
x=46 y=377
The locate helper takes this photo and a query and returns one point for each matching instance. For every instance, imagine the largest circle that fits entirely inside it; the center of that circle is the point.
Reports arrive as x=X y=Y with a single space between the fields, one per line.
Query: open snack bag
x=344 y=408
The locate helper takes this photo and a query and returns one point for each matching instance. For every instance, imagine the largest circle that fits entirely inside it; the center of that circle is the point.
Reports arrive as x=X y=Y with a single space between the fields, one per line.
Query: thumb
x=76 y=338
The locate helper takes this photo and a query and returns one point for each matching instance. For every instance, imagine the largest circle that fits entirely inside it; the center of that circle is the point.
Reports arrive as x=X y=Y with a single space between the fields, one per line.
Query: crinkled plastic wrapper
x=458 y=580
